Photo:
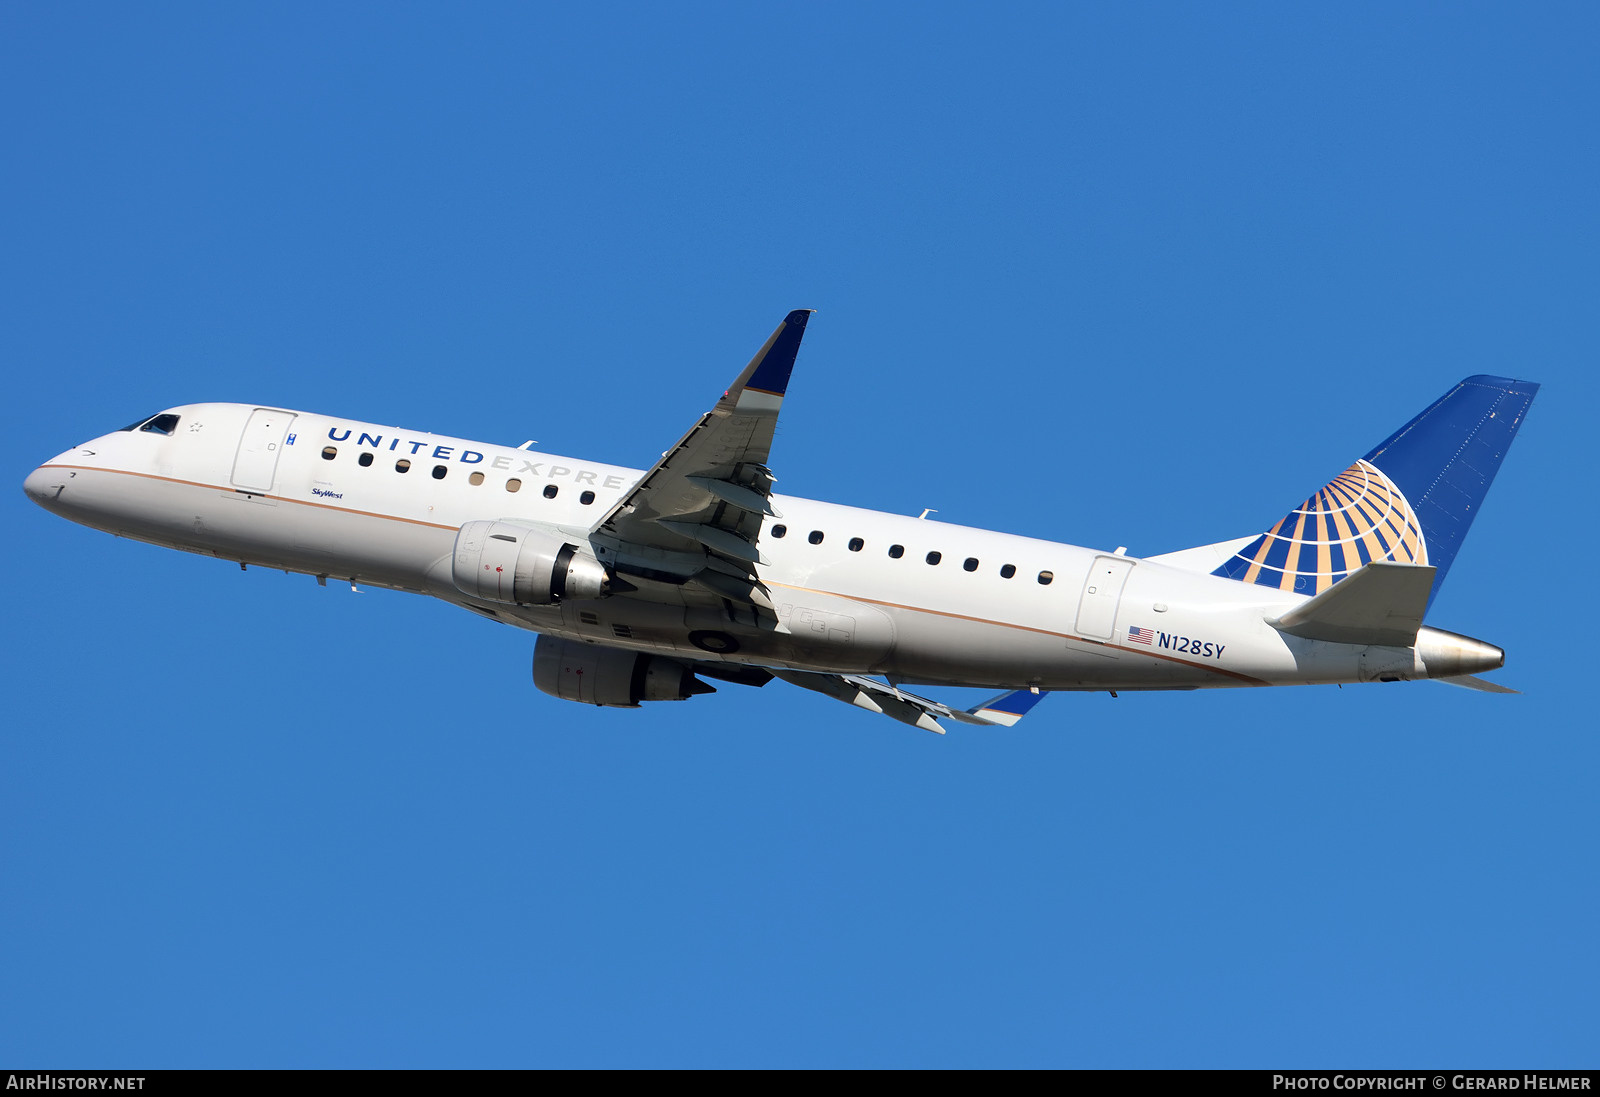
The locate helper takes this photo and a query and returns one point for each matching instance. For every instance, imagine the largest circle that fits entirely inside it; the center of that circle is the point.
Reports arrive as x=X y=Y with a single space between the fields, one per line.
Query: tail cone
x=1449 y=654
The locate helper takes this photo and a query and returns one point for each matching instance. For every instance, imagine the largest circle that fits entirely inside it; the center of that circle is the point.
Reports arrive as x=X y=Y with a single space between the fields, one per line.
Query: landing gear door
x=1102 y=591
x=259 y=447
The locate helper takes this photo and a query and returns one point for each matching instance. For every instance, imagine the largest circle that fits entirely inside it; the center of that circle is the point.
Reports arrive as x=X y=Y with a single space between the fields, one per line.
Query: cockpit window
x=164 y=423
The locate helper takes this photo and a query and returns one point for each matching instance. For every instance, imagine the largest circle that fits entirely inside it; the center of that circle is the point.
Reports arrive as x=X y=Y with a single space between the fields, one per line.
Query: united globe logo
x=1358 y=518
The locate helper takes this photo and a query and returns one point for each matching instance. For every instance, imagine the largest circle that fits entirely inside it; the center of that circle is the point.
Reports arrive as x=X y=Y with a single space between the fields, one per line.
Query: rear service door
x=1102 y=590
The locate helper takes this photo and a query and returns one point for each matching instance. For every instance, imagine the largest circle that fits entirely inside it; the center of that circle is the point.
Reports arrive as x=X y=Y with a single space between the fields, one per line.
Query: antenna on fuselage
x=927 y=511
x=529 y=442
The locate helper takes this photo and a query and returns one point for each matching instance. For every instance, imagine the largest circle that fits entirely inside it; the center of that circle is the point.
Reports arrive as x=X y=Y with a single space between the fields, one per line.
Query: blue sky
x=1135 y=274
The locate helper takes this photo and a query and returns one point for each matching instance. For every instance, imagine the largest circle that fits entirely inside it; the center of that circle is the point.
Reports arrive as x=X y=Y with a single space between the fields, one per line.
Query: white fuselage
x=993 y=610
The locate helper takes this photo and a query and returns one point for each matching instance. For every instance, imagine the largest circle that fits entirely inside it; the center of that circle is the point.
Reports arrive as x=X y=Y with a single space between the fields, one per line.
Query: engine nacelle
x=595 y=675
x=502 y=562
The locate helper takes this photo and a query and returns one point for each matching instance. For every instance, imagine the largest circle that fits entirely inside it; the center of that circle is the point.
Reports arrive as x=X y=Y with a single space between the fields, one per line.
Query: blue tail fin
x=1411 y=500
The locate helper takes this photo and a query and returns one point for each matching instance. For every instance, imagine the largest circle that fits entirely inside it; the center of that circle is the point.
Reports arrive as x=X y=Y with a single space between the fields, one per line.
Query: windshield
x=165 y=423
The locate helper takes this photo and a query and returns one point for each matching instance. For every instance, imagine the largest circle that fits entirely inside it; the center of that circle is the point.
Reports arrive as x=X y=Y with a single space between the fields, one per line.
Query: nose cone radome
x=42 y=484
x=46 y=484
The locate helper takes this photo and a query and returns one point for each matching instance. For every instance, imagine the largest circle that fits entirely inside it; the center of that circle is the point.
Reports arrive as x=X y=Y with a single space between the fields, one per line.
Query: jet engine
x=503 y=562
x=595 y=675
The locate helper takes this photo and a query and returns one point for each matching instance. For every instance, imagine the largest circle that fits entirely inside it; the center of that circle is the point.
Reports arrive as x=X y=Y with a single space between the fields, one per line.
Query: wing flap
x=721 y=540
x=736 y=494
x=740 y=588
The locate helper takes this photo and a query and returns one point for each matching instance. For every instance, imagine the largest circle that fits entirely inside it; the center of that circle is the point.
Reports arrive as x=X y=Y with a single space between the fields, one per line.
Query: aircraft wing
x=698 y=512
x=874 y=696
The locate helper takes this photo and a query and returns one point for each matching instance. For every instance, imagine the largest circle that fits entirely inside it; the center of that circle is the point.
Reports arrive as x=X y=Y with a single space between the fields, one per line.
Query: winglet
x=1381 y=603
x=1008 y=708
x=768 y=372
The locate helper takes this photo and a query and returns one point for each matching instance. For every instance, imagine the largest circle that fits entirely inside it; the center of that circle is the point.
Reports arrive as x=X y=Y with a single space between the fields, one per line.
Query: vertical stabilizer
x=1411 y=500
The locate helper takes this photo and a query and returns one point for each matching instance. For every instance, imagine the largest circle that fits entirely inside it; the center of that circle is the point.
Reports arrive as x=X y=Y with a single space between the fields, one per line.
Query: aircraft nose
x=43 y=485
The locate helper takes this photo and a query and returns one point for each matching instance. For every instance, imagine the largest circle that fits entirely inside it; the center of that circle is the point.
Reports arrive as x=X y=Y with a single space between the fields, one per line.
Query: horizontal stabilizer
x=1381 y=603
x=1468 y=681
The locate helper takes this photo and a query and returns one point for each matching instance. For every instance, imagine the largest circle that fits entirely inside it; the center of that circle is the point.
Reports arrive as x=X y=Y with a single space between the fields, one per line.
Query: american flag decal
x=1141 y=636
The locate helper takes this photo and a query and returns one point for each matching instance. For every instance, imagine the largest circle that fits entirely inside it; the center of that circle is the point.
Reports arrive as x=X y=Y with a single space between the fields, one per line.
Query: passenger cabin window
x=329 y=452
x=896 y=551
x=513 y=486
x=550 y=491
x=934 y=557
x=365 y=460
x=779 y=531
x=1046 y=578
x=402 y=465
x=475 y=479
x=970 y=564
x=815 y=537
x=586 y=498
x=440 y=471
x=857 y=544
x=1007 y=570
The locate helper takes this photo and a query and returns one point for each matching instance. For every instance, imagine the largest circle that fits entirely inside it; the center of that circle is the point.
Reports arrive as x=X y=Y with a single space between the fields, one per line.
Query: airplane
x=643 y=585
